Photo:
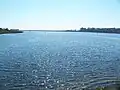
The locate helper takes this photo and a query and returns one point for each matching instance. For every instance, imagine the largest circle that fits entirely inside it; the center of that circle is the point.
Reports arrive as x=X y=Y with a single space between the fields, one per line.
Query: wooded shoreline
x=97 y=30
x=8 y=31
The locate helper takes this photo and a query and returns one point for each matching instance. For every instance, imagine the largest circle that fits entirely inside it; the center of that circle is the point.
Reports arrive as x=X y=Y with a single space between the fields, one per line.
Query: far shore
x=92 y=30
x=97 y=30
x=9 y=31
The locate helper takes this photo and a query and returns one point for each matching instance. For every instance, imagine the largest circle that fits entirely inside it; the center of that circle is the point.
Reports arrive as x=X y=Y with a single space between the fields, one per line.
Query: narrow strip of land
x=97 y=30
x=7 y=31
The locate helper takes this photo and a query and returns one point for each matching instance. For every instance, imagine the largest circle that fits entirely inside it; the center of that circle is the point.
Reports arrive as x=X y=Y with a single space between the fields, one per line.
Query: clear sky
x=59 y=14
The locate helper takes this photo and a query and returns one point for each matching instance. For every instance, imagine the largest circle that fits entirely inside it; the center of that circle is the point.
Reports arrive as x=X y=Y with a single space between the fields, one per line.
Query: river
x=58 y=60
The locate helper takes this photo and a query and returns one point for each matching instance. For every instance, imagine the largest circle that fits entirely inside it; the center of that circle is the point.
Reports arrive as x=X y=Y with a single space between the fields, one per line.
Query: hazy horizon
x=60 y=14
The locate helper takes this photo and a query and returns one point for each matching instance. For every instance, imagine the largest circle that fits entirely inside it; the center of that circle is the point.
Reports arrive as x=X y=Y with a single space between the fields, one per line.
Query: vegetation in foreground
x=6 y=31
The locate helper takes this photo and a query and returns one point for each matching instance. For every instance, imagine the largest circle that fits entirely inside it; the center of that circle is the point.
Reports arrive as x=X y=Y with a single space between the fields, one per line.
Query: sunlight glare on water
x=58 y=60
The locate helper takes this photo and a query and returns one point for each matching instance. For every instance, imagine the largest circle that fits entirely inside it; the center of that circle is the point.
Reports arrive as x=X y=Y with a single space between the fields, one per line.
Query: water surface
x=58 y=60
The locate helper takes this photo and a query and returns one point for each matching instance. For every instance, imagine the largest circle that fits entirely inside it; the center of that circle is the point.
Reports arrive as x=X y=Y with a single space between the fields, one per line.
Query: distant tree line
x=6 y=30
x=99 y=30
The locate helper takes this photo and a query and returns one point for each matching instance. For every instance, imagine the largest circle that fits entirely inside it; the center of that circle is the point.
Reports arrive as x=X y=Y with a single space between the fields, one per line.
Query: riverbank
x=97 y=30
x=7 y=31
x=92 y=30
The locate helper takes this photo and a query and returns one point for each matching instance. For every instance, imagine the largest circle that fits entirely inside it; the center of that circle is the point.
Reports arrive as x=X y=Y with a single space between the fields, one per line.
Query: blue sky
x=59 y=14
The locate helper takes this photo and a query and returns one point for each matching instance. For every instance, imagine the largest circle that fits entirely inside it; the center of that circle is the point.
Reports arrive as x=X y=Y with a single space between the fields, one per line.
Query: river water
x=58 y=60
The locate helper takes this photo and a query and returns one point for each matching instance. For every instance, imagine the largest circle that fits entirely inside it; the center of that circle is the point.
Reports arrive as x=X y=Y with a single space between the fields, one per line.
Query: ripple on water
x=101 y=82
x=68 y=63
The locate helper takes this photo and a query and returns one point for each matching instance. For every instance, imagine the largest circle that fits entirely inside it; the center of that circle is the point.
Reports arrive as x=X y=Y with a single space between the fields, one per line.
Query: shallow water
x=58 y=60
